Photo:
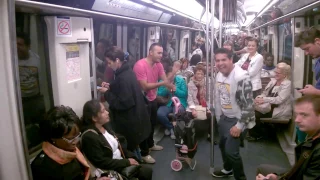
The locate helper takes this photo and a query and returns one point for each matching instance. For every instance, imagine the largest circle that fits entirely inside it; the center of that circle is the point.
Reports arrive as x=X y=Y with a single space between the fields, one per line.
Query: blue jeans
x=162 y=115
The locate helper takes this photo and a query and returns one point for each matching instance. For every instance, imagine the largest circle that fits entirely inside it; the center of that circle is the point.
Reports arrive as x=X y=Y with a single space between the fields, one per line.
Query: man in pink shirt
x=149 y=71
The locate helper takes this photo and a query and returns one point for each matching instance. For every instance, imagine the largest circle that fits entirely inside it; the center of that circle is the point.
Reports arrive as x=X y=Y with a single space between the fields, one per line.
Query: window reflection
x=34 y=84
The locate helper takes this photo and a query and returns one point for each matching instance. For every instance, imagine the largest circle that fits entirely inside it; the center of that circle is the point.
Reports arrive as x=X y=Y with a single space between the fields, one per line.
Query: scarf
x=63 y=157
x=268 y=67
x=201 y=95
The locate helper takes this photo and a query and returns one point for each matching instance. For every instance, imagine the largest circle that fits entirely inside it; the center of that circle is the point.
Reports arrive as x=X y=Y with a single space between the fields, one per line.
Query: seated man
x=180 y=91
x=307 y=110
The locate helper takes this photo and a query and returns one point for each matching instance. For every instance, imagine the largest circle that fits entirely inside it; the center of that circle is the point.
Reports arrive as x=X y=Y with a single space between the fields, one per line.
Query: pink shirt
x=150 y=74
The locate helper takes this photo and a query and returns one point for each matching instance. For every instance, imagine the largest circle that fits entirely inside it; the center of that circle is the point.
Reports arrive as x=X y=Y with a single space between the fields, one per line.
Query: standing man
x=149 y=71
x=31 y=86
x=307 y=111
x=309 y=42
x=234 y=112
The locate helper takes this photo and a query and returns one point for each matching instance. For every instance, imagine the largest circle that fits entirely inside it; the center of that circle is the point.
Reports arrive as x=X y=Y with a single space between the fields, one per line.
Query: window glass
x=36 y=95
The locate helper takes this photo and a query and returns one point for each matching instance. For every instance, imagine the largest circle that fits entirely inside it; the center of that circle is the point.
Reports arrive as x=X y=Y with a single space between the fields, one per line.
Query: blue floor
x=266 y=151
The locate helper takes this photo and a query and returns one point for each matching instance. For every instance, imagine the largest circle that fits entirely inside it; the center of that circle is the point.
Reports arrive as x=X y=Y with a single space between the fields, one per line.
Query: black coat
x=129 y=110
x=99 y=152
x=43 y=167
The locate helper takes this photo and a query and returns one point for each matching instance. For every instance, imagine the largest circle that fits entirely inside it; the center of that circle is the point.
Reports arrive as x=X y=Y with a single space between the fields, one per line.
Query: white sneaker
x=172 y=136
x=167 y=132
x=156 y=148
x=148 y=159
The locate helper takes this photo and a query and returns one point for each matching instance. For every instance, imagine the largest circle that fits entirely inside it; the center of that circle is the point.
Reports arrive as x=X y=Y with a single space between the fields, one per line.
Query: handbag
x=263 y=108
x=201 y=112
x=130 y=171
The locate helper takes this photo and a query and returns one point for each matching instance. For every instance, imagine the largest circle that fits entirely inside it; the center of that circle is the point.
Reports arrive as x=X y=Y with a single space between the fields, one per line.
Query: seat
x=275 y=120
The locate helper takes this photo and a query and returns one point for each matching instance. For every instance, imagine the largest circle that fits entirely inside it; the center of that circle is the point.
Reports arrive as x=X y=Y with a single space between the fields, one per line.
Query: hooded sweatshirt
x=234 y=99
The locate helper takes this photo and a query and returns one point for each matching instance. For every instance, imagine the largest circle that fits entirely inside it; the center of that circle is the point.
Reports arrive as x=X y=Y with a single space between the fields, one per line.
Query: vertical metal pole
x=93 y=62
x=212 y=83
x=207 y=48
x=220 y=22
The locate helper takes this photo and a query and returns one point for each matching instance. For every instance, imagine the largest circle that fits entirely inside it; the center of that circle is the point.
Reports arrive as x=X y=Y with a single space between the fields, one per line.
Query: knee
x=161 y=114
x=232 y=153
x=145 y=173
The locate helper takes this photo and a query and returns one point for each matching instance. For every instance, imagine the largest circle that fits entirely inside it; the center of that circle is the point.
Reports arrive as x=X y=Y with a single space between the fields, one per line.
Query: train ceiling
x=238 y=12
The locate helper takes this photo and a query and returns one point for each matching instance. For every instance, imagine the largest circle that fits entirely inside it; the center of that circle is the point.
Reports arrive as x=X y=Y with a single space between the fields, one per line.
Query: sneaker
x=156 y=148
x=167 y=132
x=148 y=159
x=172 y=136
x=222 y=173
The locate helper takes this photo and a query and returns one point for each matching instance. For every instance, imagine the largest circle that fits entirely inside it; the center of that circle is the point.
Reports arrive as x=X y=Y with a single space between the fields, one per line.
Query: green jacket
x=181 y=91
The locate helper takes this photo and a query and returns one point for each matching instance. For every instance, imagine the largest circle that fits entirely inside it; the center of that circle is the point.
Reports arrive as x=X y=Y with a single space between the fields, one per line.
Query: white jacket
x=254 y=69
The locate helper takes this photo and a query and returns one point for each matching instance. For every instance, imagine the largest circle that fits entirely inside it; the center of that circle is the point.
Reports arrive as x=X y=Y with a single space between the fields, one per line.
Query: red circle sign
x=64 y=27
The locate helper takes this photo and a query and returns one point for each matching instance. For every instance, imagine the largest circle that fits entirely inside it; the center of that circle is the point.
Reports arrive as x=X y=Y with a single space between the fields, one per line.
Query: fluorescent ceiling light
x=268 y=7
x=147 y=1
x=190 y=8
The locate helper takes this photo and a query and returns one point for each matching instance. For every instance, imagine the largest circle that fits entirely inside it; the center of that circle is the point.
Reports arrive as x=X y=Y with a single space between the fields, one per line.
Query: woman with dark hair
x=60 y=158
x=126 y=102
x=195 y=59
x=101 y=146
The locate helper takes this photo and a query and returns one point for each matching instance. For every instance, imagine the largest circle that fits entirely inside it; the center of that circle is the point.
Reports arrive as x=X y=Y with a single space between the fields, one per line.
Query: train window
x=285 y=42
x=134 y=42
x=36 y=94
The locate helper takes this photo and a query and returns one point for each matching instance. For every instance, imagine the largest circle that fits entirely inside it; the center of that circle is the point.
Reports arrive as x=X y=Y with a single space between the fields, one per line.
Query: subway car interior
x=65 y=43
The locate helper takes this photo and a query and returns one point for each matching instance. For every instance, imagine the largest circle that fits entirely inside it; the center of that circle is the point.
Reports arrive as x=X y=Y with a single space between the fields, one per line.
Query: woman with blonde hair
x=274 y=101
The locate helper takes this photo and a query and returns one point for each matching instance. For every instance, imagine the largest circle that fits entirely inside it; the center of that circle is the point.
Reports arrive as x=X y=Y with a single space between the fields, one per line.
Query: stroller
x=185 y=143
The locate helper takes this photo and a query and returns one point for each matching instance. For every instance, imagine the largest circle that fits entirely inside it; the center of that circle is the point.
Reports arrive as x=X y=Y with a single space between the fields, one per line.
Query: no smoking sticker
x=63 y=27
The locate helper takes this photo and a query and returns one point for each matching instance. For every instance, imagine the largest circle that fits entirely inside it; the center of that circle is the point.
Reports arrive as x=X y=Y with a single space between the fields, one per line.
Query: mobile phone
x=298 y=89
x=99 y=87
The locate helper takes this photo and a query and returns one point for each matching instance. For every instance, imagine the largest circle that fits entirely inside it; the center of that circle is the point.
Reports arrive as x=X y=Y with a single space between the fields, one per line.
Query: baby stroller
x=185 y=143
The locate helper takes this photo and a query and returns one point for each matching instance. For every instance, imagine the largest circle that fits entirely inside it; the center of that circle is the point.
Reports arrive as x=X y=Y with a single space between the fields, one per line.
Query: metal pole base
x=211 y=170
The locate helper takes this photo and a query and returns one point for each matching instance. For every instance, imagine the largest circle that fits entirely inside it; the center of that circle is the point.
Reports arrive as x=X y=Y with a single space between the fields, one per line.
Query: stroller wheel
x=176 y=165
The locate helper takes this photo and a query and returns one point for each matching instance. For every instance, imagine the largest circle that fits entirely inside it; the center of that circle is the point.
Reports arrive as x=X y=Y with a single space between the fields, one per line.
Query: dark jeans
x=145 y=173
x=257 y=130
x=149 y=143
x=162 y=115
x=230 y=148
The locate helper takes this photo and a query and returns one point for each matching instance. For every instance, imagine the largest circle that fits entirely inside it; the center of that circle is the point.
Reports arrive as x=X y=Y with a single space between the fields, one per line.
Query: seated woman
x=100 y=145
x=277 y=93
x=180 y=91
x=60 y=158
x=197 y=93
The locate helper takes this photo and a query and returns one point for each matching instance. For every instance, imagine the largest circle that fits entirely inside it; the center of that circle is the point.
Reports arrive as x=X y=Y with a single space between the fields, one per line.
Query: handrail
x=293 y=13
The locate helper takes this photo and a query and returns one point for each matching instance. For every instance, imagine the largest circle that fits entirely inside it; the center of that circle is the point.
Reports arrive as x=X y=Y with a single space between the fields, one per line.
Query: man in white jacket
x=234 y=112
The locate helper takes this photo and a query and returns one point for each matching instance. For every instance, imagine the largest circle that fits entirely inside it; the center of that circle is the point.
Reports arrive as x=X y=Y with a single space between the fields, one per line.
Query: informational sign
x=63 y=27
x=73 y=63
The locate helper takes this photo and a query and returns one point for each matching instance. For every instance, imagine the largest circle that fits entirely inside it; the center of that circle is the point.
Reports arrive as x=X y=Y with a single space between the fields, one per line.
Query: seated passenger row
x=106 y=154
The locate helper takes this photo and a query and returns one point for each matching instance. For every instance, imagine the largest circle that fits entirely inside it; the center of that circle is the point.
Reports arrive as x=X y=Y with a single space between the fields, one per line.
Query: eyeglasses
x=75 y=139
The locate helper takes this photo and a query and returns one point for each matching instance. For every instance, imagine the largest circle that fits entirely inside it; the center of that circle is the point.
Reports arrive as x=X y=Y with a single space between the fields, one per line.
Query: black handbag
x=130 y=171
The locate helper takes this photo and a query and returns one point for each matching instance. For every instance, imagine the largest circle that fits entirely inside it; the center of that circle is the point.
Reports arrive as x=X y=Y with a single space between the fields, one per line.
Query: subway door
x=298 y=62
x=69 y=39
x=184 y=45
x=273 y=42
x=153 y=36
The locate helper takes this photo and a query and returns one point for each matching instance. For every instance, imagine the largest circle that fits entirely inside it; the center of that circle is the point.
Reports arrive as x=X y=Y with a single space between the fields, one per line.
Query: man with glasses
x=309 y=42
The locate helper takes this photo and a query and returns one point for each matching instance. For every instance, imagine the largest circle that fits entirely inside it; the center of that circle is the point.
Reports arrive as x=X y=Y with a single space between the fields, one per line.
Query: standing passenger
x=253 y=62
x=234 y=112
x=148 y=72
x=126 y=101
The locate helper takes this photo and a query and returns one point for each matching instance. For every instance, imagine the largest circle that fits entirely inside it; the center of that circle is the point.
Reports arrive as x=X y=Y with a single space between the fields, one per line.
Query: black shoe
x=250 y=138
x=220 y=174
